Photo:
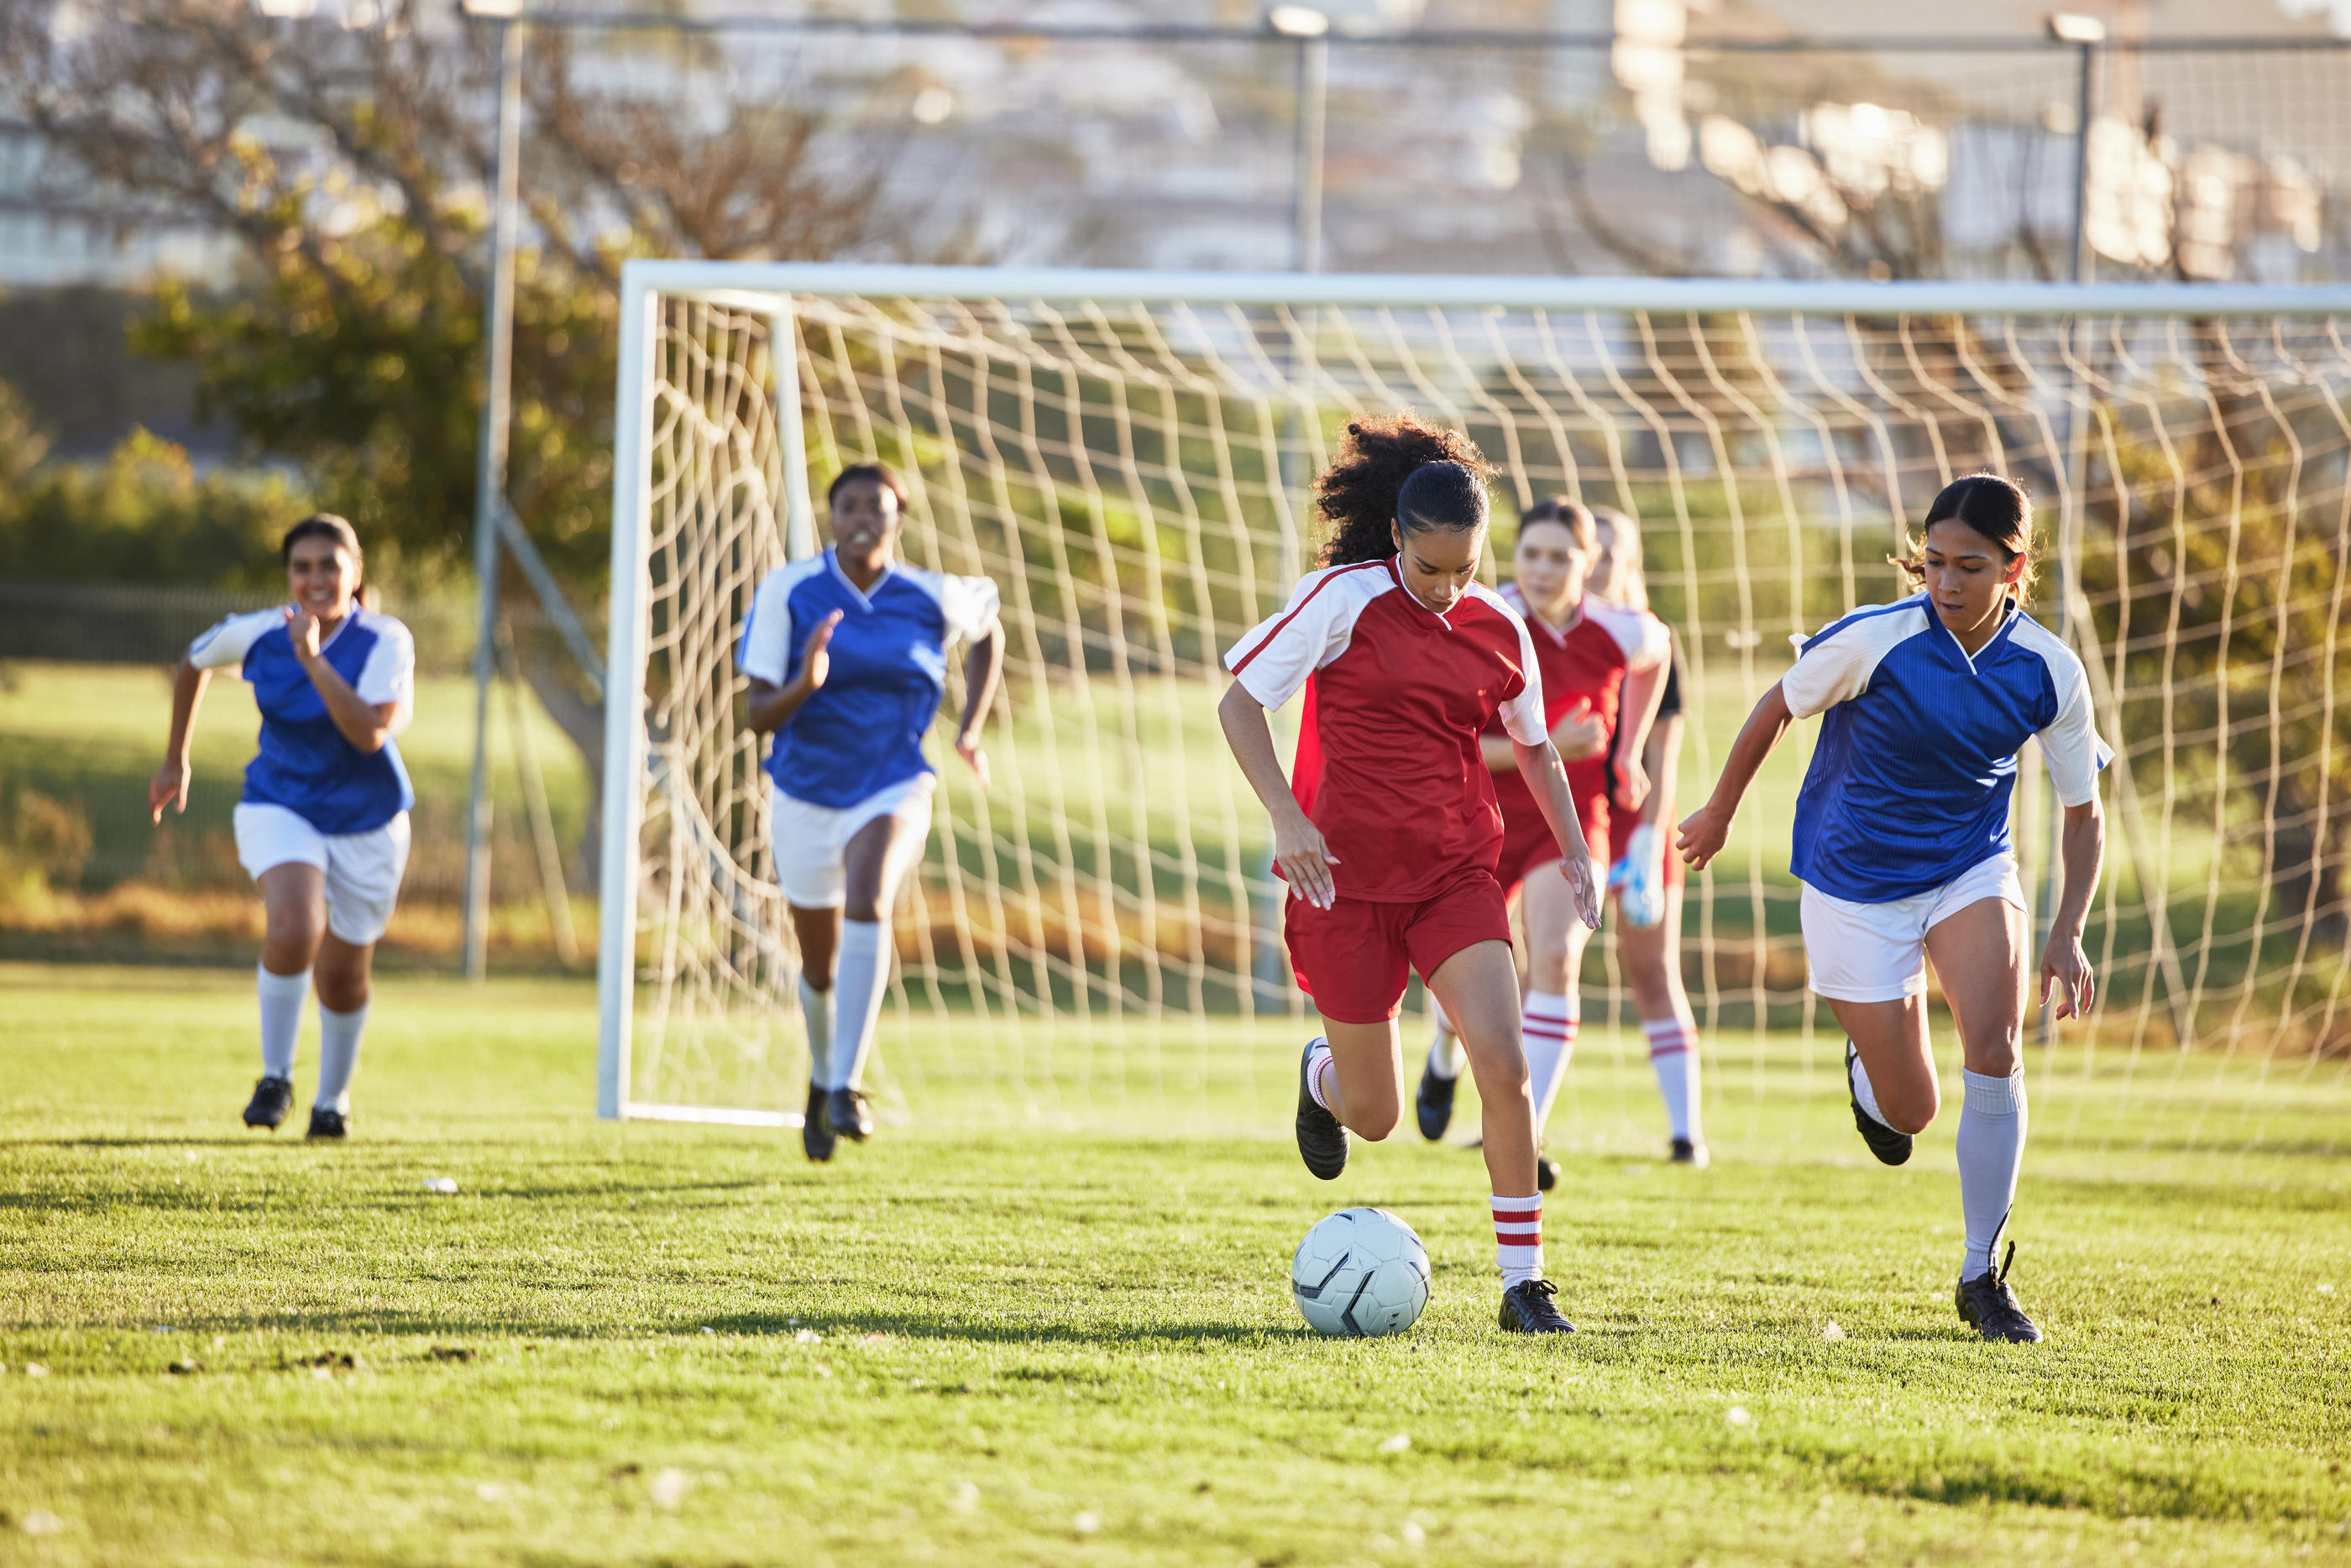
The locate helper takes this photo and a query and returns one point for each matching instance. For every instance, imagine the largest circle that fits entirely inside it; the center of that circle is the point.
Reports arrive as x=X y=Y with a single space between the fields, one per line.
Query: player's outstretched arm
x=169 y=784
x=1298 y=848
x=980 y=672
x=1541 y=767
x=1704 y=829
x=2082 y=849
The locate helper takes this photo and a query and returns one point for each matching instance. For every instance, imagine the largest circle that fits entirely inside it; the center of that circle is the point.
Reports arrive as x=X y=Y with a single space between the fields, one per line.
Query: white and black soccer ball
x=1360 y=1273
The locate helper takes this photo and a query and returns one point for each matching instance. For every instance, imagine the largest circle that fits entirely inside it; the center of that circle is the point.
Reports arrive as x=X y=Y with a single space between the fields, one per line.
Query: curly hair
x=1399 y=472
x=1991 y=505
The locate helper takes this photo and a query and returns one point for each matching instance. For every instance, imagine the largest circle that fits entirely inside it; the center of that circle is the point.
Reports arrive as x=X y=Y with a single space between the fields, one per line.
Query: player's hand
x=816 y=658
x=302 y=631
x=1632 y=783
x=1583 y=888
x=968 y=747
x=1702 y=835
x=168 y=787
x=1305 y=860
x=1580 y=735
x=2067 y=967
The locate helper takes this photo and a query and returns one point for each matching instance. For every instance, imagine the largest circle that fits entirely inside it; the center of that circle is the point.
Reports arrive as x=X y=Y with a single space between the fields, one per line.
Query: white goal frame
x=769 y=287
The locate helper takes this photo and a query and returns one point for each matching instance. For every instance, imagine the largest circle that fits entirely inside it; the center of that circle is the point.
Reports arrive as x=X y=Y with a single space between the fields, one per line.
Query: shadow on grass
x=917 y=1325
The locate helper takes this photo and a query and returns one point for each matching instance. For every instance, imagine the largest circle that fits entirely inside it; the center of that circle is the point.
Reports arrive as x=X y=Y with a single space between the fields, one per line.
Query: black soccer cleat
x=1527 y=1308
x=1989 y=1307
x=1891 y=1147
x=1433 y=1104
x=1322 y=1141
x=1691 y=1152
x=816 y=1139
x=327 y=1122
x=1546 y=1174
x=845 y=1114
x=273 y=1098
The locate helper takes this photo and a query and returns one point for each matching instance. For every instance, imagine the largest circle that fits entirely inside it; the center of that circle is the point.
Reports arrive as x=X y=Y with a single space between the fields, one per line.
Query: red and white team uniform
x=1390 y=770
x=1587 y=663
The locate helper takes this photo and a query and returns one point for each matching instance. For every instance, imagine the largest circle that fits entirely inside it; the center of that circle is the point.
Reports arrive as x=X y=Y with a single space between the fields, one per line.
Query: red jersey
x=1389 y=766
x=1586 y=663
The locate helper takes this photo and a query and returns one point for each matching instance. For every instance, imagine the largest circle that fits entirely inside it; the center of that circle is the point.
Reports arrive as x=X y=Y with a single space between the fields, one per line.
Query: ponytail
x=1398 y=473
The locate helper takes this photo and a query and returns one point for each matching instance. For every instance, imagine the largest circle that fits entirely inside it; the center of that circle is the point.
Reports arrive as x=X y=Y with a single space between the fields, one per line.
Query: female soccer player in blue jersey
x=323 y=823
x=1902 y=844
x=846 y=654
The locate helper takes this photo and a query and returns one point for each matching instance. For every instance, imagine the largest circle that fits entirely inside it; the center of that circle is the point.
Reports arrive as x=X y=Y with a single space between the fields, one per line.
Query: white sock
x=1991 y=1152
x=858 y=980
x=282 y=996
x=1548 y=1024
x=1445 y=1053
x=1517 y=1238
x=816 y=1012
x=339 y=1054
x=1318 y=1061
x=1673 y=1056
x=1859 y=1078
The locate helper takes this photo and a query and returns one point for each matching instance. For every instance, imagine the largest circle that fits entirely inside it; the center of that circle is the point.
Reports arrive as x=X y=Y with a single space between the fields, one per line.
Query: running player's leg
x=1978 y=954
x=1892 y=1075
x=1551 y=1010
x=1360 y=1082
x=1652 y=959
x=362 y=885
x=294 y=905
x=878 y=857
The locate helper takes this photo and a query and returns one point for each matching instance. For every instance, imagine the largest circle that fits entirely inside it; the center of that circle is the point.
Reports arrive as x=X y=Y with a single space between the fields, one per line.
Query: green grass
x=597 y=1352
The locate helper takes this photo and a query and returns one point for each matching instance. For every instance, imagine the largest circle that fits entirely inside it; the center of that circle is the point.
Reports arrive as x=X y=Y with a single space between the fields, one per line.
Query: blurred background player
x=1602 y=666
x=846 y=653
x=1645 y=881
x=1902 y=844
x=323 y=823
x=1392 y=866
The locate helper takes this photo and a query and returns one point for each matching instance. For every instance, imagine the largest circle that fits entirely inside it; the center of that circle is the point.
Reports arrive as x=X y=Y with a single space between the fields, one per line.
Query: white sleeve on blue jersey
x=766 y=652
x=969 y=604
x=225 y=645
x=390 y=673
x=1835 y=667
x=2070 y=742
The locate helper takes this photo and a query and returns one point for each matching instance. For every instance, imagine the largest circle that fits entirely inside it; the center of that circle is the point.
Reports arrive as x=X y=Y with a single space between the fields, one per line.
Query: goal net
x=1096 y=939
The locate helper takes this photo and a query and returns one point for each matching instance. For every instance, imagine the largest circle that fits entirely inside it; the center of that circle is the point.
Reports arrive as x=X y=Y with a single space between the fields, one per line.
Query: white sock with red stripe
x=1517 y=1238
x=1445 y=1053
x=1548 y=1023
x=1673 y=1056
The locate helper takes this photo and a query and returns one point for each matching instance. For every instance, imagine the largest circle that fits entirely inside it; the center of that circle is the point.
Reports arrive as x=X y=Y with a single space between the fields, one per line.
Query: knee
x=1911 y=1113
x=865 y=911
x=295 y=927
x=1377 y=1124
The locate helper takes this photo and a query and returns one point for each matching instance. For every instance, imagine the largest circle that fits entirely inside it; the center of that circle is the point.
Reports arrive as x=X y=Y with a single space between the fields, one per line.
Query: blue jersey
x=305 y=764
x=861 y=731
x=1910 y=784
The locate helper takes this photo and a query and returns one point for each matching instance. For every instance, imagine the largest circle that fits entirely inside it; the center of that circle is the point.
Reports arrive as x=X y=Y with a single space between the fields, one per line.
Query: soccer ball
x=1360 y=1273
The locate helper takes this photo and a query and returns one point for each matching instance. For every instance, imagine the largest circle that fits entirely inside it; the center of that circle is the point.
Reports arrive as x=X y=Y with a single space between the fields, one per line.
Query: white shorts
x=362 y=870
x=1878 y=952
x=810 y=842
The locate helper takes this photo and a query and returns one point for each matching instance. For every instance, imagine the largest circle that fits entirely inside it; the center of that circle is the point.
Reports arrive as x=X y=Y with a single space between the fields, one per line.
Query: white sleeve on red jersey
x=1273 y=660
x=1641 y=636
x=1522 y=715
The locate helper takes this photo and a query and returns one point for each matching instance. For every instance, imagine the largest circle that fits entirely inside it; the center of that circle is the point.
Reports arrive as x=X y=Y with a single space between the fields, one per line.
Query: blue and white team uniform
x=309 y=794
x=853 y=752
x=1903 y=819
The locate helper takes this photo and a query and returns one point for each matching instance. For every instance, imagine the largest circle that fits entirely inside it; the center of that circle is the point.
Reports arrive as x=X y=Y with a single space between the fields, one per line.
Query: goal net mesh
x=1096 y=939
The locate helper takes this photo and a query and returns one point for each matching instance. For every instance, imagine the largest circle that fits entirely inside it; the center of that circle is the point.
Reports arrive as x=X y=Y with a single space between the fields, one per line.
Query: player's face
x=1968 y=576
x=1438 y=567
x=322 y=578
x=1550 y=567
x=866 y=520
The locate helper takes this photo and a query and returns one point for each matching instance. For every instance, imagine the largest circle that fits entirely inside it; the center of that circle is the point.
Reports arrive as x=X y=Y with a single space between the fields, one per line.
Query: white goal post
x=1130 y=454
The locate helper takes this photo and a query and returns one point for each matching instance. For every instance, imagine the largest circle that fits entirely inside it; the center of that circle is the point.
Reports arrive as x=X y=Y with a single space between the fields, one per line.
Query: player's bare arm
x=1704 y=831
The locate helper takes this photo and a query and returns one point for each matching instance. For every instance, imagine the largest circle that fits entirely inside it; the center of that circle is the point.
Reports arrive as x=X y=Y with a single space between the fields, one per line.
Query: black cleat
x=1546 y=1174
x=1691 y=1152
x=1322 y=1141
x=327 y=1122
x=273 y=1098
x=1891 y=1147
x=1988 y=1307
x=1527 y=1308
x=816 y=1139
x=1433 y=1104
x=845 y=1114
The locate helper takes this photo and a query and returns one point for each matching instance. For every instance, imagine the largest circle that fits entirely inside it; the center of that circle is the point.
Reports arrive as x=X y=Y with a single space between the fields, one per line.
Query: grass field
x=970 y=1345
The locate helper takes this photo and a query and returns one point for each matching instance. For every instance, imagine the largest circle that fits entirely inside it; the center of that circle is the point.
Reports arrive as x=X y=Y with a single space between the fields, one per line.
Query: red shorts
x=1352 y=957
x=1528 y=846
x=1620 y=839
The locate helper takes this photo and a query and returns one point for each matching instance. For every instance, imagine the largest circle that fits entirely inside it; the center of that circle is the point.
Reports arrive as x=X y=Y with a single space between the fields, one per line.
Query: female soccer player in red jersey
x=1392 y=866
x=1602 y=665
